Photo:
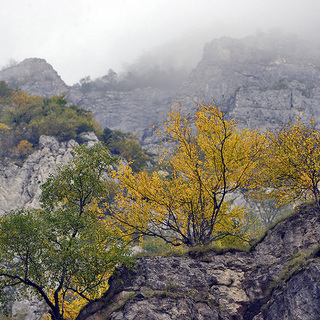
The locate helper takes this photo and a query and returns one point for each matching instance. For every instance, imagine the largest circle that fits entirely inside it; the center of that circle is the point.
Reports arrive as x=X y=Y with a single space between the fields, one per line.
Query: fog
x=89 y=37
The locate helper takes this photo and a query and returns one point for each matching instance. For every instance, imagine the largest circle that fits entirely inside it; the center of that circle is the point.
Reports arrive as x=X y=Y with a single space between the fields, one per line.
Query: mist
x=87 y=38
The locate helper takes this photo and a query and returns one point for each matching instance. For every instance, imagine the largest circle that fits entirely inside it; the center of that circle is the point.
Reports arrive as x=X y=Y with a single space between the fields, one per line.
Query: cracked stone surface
x=233 y=285
x=262 y=81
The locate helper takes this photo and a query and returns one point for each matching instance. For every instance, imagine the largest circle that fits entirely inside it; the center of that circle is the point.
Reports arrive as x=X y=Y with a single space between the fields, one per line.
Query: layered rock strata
x=277 y=279
x=20 y=183
x=262 y=81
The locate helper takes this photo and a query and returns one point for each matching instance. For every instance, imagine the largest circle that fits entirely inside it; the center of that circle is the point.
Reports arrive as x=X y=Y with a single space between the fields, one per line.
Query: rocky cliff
x=35 y=76
x=261 y=81
x=277 y=279
x=20 y=184
x=135 y=111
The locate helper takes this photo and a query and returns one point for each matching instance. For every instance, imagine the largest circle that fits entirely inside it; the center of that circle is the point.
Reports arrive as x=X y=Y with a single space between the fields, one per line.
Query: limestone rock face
x=234 y=285
x=29 y=310
x=20 y=185
x=35 y=76
x=134 y=111
x=299 y=298
x=261 y=81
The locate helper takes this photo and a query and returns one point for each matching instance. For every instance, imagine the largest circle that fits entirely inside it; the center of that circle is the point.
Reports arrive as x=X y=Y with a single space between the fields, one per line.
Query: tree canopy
x=188 y=201
x=290 y=167
x=126 y=145
x=27 y=117
x=65 y=250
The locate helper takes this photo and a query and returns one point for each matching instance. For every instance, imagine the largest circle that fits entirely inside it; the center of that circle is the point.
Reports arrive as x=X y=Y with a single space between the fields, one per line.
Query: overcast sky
x=87 y=37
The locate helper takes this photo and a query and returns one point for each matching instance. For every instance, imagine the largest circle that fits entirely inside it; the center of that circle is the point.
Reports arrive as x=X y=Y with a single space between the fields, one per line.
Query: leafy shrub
x=24 y=118
x=126 y=145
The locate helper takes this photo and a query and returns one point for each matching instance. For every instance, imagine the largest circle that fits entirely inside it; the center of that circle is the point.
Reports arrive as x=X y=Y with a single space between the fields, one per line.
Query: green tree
x=5 y=91
x=111 y=79
x=126 y=145
x=66 y=248
x=85 y=84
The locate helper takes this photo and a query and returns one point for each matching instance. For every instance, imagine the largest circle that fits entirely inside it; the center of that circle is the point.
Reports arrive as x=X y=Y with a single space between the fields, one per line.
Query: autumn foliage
x=290 y=168
x=189 y=200
x=24 y=118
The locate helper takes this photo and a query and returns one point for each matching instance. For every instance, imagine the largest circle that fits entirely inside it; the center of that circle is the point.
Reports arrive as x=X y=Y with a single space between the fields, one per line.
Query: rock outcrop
x=277 y=279
x=20 y=184
x=35 y=76
x=298 y=298
x=261 y=81
x=135 y=111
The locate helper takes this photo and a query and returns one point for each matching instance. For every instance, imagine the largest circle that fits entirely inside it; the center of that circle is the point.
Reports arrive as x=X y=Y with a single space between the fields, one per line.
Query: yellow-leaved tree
x=189 y=201
x=290 y=169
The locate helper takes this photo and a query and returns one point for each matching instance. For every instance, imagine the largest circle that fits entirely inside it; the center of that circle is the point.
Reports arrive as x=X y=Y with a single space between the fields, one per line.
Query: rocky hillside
x=20 y=184
x=35 y=76
x=261 y=81
x=278 y=279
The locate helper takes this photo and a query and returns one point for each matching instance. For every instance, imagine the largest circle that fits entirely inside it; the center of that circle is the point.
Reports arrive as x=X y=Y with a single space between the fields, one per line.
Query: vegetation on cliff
x=126 y=145
x=136 y=78
x=24 y=118
x=190 y=200
x=64 y=252
x=67 y=248
x=187 y=201
x=290 y=168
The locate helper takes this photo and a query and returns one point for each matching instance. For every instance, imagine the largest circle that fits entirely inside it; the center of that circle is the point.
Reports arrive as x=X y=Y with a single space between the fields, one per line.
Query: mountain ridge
x=35 y=76
x=262 y=81
x=266 y=92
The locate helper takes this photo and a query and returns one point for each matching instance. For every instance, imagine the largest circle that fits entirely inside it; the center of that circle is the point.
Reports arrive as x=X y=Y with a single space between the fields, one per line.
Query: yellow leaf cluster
x=290 y=168
x=24 y=147
x=20 y=98
x=4 y=128
x=189 y=205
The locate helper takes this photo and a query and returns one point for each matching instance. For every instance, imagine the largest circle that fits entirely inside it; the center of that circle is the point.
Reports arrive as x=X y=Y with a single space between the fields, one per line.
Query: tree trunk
x=56 y=315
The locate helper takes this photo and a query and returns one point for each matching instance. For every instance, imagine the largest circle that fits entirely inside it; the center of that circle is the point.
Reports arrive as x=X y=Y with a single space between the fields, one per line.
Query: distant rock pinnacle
x=35 y=76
